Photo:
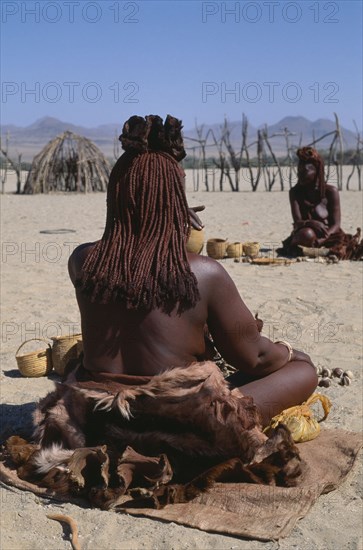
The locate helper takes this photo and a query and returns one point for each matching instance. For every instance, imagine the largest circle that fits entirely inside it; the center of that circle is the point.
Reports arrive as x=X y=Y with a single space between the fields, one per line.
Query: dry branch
x=73 y=526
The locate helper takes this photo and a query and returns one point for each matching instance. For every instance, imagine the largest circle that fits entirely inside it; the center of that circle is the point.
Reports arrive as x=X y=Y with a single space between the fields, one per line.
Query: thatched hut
x=68 y=162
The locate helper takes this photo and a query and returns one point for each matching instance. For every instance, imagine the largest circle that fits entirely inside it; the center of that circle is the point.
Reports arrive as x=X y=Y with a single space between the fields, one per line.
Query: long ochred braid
x=141 y=259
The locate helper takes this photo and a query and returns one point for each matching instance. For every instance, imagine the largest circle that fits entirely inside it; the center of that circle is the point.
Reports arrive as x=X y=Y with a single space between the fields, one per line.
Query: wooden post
x=202 y=143
x=16 y=166
x=234 y=159
x=340 y=157
x=356 y=160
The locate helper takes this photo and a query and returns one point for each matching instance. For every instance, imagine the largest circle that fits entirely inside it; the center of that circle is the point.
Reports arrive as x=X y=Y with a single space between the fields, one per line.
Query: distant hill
x=31 y=139
x=304 y=132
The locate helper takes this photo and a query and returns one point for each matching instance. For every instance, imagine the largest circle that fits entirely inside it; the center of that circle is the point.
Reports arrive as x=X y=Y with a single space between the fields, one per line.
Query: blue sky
x=92 y=63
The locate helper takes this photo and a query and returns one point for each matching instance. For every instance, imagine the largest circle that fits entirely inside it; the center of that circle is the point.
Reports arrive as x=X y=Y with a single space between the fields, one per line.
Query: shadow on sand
x=16 y=420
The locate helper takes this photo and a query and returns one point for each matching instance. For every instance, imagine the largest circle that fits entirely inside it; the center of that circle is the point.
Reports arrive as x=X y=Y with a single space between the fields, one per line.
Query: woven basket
x=196 y=241
x=35 y=363
x=216 y=248
x=235 y=250
x=251 y=249
x=64 y=349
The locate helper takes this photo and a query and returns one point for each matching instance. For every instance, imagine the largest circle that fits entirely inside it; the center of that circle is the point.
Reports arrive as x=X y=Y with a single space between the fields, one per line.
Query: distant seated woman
x=315 y=208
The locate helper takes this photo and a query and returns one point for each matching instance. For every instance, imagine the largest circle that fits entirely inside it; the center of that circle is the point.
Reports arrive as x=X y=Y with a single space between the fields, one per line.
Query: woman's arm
x=332 y=194
x=234 y=330
x=295 y=209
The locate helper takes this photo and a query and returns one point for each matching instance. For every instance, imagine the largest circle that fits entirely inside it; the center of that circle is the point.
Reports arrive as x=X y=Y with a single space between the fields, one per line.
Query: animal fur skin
x=189 y=414
x=199 y=413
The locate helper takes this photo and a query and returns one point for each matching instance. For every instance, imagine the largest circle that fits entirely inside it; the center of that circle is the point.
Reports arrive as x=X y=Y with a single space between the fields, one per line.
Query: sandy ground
x=315 y=306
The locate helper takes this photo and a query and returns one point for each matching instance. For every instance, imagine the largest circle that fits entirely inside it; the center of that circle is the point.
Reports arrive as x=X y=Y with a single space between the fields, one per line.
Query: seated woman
x=315 y=208
x=144 y=384
x=144 y=301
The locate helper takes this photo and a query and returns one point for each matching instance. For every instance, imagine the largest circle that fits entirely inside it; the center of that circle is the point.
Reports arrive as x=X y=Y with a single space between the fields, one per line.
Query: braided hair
x=141 y=259
x=310 y=155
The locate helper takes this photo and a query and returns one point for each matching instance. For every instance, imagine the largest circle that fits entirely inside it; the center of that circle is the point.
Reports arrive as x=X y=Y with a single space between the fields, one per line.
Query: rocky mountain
x=302 y=132
x=31 y=139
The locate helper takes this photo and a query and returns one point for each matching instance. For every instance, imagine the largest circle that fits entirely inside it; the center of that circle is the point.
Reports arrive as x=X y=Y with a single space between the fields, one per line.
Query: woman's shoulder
x=204 y=265
x=332 y=194
x=213 y=279
x=82 y=251
x=331 y=189
x=77 y=259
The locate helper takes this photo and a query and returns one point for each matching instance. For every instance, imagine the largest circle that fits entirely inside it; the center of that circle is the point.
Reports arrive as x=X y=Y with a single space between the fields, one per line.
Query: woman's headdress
x=151 y=134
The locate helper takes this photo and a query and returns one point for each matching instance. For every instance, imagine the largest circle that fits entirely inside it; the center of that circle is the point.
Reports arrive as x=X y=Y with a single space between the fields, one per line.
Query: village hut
x=68 y=162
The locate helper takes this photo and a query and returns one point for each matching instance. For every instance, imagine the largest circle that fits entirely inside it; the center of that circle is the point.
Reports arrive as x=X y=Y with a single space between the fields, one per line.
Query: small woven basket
x=216 y=248
x=64 y=349
x=235 y=250
x=251 y=249
x=35 y=363
x=196 y=241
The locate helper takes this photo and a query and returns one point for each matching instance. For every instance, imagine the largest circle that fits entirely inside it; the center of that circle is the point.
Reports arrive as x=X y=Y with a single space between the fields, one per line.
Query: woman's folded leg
x=289 y=386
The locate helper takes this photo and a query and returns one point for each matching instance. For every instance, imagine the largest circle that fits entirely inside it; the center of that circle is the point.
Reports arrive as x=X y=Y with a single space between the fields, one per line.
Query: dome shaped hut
x=68 y=162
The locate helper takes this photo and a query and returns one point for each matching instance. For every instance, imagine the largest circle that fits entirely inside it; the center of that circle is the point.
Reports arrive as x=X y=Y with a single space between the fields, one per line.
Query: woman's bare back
x=136 y=342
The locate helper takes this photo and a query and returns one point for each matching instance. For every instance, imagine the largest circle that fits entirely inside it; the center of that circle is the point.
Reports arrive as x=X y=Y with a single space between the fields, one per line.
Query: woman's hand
x=195 y=221
x=317 y=226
